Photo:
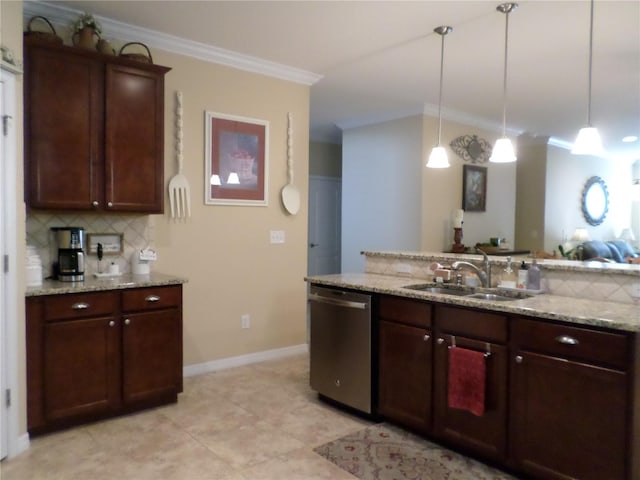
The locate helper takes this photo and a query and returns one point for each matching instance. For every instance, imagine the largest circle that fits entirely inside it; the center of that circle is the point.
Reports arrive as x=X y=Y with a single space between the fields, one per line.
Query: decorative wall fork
x=179 y=191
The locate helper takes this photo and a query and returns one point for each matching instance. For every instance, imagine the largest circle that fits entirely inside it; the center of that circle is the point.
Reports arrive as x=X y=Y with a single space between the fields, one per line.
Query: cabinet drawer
x=409 y=312
x=152 y=298
x=473 y=323
x=80 y=305
x=575 y=342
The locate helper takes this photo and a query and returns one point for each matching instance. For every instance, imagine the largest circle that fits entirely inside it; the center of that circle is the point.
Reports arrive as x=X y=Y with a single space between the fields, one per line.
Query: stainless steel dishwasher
x=340 y=346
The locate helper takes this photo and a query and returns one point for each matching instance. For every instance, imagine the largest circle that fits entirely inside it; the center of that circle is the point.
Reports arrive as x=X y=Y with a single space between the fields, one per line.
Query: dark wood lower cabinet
x=569 y=419
x=90 y=358
x=151 y=355
x=81 y=368
x=405 y=375
x=484 y=434
x=561 y=400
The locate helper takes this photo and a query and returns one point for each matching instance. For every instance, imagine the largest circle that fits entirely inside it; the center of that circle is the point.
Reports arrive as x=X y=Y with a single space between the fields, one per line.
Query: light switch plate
x=277 y=236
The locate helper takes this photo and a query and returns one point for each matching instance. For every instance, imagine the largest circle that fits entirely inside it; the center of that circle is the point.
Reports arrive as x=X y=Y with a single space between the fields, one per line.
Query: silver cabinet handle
x=312 y=245
x=112 y=323
x=152 y=298
x=127 y=321
x=567 y=340
x=440 y=341
x=80 y=306
x=95 y=203
x=426 y=338
x=337 y=382
x=519 y=358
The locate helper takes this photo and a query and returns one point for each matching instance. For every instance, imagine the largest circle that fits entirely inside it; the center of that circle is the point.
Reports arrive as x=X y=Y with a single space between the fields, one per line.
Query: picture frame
x=112 y=243
x=474 y=188
x=236 y=160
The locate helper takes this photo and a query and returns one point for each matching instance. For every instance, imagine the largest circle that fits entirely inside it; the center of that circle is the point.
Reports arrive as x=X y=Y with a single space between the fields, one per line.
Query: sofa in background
x=613 y=251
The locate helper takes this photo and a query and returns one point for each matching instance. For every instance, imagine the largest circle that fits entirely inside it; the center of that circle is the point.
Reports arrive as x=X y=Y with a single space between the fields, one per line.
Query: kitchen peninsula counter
x=597 y=313
x=93 y=284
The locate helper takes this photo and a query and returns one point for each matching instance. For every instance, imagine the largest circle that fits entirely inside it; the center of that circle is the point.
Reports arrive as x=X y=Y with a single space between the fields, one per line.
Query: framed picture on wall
x=236 y=160
x=474 y=188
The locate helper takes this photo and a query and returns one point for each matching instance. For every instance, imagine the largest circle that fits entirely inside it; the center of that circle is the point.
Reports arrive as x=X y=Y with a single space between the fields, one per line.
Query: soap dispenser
x=523 y=274
x=533 y=278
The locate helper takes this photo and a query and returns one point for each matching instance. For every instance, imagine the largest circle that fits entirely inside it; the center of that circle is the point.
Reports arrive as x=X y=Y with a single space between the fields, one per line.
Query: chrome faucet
x=483 y=275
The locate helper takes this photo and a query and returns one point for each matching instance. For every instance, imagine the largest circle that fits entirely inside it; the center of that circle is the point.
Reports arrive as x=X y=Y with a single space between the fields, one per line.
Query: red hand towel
x=467 y=379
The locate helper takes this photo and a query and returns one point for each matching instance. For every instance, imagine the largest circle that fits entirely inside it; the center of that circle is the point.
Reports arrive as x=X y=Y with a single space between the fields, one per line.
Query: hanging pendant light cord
x=504 y=88
x=440 y=95
x=590 y=65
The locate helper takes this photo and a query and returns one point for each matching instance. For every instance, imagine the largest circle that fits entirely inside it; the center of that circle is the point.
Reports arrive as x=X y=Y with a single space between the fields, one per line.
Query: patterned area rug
x=384 y=452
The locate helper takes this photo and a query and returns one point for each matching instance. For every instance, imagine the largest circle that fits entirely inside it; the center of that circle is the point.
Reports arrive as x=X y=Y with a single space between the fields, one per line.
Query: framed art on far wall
x=236 y=160
x=474 y=188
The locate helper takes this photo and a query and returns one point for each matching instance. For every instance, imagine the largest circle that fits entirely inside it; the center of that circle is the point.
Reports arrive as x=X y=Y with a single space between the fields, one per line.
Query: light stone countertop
x=93 y=284
x=611 y=315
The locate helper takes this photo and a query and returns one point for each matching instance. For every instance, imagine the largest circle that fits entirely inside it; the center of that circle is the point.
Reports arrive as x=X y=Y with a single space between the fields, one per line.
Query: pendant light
x=438 y=157
x=503 y=151
x=588 y=141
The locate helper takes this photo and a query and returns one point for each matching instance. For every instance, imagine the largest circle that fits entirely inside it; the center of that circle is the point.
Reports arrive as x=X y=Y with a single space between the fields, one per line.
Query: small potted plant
x=85 y=27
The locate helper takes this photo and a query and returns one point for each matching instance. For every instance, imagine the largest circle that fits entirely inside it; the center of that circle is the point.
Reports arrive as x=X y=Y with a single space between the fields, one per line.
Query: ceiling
x=379 y=60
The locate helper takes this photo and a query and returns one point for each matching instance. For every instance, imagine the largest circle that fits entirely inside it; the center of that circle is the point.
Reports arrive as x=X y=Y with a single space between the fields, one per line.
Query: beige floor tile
x=316 y=423
x=301 y=464
x=250 y=444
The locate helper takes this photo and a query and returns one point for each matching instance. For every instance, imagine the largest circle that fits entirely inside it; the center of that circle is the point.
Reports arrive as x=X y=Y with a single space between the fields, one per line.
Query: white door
x=3 y=300
x=325 y=204
x=9 y=441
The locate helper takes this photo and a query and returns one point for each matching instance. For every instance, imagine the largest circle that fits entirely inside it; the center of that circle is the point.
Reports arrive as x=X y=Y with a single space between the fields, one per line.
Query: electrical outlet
x=277 y=236
x=245 y=321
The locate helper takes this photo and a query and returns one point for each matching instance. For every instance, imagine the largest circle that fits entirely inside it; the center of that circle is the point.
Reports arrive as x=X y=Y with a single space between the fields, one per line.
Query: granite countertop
x=92 y=284
x=612 y=315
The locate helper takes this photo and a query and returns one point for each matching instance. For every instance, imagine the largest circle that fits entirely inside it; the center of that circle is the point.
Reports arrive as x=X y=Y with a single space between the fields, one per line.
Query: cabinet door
x=81 y=367
x=152 y=356
x=486 y=434
x=405 y=374
x=568 y=419
x=134 y=140
x=63 y=130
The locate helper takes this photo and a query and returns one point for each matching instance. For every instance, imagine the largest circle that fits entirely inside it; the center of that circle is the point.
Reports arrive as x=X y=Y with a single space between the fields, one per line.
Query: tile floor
x=260 y=421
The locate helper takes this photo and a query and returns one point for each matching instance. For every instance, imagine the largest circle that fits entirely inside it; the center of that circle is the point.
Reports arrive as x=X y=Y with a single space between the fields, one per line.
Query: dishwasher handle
x=314 y=297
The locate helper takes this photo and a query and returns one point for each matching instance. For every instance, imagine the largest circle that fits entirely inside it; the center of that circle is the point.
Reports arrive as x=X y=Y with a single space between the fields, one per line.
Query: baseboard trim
x=19 y=445
x=240 y=360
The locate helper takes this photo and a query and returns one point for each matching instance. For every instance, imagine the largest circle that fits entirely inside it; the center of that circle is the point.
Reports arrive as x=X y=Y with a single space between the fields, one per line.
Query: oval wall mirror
x=595 y=201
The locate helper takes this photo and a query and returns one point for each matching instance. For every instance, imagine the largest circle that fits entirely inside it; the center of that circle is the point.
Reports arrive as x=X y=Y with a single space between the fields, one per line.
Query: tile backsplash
x=137 y=230
x=596 y=286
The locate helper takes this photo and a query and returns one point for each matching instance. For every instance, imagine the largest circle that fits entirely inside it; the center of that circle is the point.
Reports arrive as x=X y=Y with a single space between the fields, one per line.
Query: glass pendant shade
x=233 y=179
x=215 y=180
x=438 y=158
x=503 y=151
x=588 y=142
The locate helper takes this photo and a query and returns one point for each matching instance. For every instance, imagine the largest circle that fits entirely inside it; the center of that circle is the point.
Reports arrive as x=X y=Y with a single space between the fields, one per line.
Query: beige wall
x=224 y=251
x=11 y=36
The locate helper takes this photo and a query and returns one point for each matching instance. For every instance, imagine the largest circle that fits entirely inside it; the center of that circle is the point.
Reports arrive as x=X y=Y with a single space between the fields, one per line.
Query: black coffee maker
x=69 y=266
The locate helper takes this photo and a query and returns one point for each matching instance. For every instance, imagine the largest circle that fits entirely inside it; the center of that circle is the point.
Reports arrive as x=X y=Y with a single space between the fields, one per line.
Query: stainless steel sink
x=493 y=297
x=443 y=290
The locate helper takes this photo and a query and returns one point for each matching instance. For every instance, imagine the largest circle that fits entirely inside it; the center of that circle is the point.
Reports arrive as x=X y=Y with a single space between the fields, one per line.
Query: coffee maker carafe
x=70 y=261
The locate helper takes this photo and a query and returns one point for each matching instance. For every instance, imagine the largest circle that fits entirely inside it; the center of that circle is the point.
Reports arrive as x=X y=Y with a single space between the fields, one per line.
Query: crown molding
x=64 y=16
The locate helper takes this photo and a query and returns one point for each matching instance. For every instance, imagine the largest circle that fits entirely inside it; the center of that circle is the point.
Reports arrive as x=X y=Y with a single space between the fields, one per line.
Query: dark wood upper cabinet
x=94 y=131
